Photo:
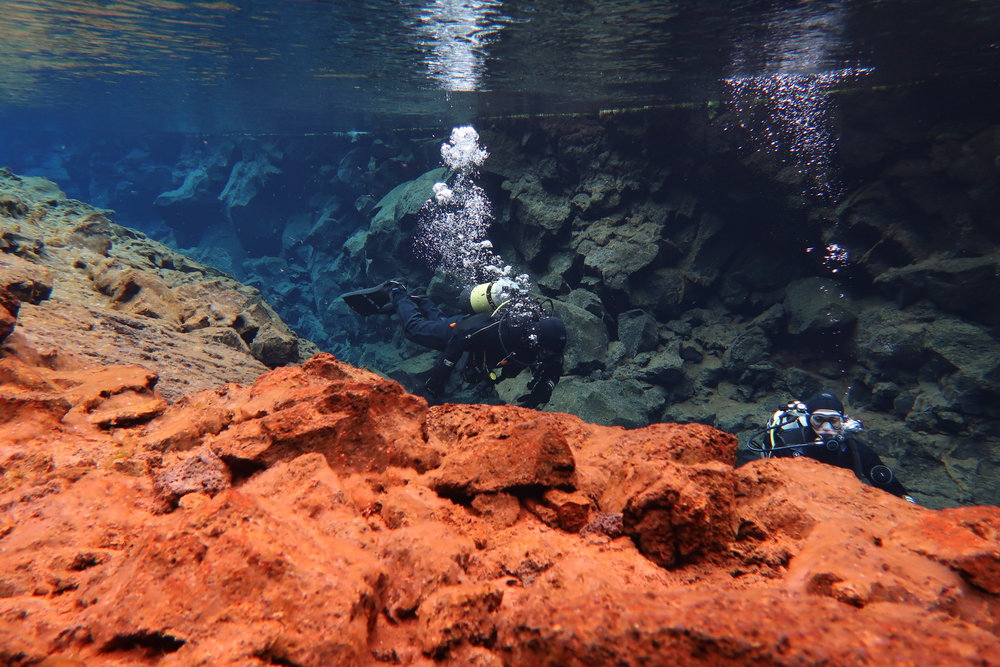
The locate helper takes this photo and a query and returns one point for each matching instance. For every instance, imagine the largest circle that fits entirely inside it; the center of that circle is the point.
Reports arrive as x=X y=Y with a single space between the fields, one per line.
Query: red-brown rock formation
x=323 y=516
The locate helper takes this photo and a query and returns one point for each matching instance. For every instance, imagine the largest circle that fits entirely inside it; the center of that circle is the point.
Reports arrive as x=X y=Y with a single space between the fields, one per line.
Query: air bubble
x=453 y=225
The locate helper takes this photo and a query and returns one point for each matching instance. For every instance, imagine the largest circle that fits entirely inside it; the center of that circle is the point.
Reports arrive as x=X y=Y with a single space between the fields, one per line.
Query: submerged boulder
x=816 y=305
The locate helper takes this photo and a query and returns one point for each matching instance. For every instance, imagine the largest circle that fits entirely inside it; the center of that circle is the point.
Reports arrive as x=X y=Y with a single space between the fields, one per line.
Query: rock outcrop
x=94 y=292
x=324 y=516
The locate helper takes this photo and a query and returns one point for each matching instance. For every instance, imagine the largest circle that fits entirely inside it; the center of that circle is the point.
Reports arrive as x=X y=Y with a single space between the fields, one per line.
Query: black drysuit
x=481 y=346
x=847 y=451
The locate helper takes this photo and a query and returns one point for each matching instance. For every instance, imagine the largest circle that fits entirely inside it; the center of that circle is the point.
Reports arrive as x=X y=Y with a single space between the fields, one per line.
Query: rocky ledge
x=93 y=292
x=323 y=516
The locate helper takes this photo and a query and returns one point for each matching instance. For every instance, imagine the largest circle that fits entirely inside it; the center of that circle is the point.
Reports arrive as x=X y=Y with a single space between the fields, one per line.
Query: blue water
x=300 y=66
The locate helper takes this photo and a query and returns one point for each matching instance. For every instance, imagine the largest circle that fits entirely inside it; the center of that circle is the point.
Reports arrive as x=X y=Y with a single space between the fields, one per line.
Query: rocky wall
x=703 y=281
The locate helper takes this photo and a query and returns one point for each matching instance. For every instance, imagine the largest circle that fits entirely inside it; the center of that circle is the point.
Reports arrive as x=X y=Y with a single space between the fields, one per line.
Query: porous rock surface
x=96 y=292
x=323 y=516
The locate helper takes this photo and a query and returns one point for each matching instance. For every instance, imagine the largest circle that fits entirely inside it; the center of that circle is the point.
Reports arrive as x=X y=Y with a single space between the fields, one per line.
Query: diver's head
x=548 y=335
x=826 y=415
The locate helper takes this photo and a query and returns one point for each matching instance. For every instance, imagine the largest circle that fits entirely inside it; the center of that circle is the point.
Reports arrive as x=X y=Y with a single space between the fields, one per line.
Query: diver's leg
x=429 y=309
x=432 y=333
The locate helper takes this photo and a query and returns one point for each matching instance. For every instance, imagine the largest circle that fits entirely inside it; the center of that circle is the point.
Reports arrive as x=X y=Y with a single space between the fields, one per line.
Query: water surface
x=309 y=66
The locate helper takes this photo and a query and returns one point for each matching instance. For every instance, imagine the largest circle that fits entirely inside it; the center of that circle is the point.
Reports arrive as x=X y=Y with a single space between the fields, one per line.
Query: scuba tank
x=793 y=417
x=487 y=297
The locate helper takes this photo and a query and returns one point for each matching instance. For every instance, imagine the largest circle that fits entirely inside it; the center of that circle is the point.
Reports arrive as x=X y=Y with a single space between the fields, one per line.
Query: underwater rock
x=964 y=347
x=327 y=413
x=688 y=512
x=198 y=471
x=514 y=448
x=750 y=347
x=886 y=338
x=118 y=297
x=617 y=402
x=459 y=614
x=816 y=305
x=664 y=293
x=663 y=367
x=324 y=516
x=637 y=332
x=555 y=279
x=20 y=281
x=537 y=215
x=955 y=285
x=586 y=340
x=616 y=248
x=426 y=556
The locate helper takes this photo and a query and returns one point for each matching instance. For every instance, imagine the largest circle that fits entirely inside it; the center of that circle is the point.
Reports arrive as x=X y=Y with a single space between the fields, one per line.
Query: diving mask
x=818 y=420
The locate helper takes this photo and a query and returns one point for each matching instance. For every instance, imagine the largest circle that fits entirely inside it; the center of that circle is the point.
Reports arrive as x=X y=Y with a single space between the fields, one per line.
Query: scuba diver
x=503 y=334
x=819 y=429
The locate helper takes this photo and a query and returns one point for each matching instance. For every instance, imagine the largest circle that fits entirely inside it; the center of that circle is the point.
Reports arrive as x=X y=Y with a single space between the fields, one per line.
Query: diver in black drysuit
x=485 y=346
x=825 y=439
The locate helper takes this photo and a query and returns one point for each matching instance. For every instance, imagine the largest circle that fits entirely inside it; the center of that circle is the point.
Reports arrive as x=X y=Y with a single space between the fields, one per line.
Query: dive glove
x=434 y=388
x=541 y=392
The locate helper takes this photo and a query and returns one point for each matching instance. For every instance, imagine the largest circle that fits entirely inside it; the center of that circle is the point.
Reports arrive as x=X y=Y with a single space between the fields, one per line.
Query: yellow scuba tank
x=487 y=297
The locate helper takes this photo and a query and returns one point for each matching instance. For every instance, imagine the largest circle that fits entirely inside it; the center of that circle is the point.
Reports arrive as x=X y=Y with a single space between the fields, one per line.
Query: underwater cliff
x=318 y=514
x=702 y=277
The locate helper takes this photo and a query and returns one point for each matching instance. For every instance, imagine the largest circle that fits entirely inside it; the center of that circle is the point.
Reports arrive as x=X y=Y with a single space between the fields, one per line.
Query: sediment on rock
x=92 y=292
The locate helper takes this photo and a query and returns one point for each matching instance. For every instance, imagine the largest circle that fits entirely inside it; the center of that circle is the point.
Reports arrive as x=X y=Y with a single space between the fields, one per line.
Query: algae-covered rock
x=625 y=402
x=616 y=248
x=954 y=284
x=586 y=339
x=637 y=331
x=886 y=337
x=405 y=199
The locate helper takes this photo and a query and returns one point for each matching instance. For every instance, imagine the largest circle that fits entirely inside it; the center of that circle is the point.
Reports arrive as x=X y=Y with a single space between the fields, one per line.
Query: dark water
x=300 y=66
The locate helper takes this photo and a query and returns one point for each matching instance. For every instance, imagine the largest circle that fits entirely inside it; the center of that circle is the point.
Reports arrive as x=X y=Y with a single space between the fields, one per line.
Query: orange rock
x=7 y=322
x=454 y=615
x=324 y=516
x=198 y=471
x=423 y=558
x=357 y=419
x=502 y=509
x=608 y=456
x=686 y=514
x=230 y=579
x=965 y=539
x=559 y=509
x=842 y=560
x=712 y=627
x=491 y=449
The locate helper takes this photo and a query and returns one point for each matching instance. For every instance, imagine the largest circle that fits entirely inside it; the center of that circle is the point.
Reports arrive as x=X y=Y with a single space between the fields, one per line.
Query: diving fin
x=372 y=300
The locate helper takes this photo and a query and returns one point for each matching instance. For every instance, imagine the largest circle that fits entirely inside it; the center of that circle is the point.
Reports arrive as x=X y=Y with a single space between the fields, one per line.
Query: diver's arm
x=876 y=472
x=543 y=381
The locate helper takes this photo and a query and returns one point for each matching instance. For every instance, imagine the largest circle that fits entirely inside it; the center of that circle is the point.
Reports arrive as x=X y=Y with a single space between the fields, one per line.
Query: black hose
x=760 y=448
